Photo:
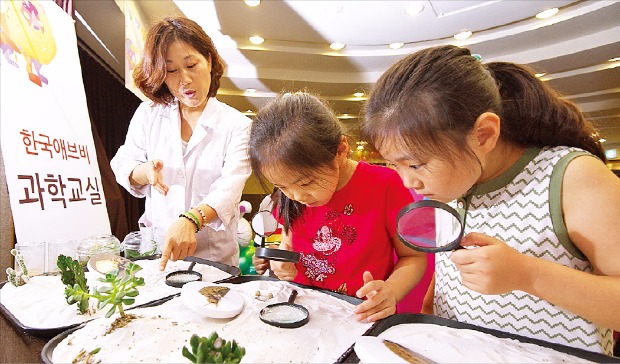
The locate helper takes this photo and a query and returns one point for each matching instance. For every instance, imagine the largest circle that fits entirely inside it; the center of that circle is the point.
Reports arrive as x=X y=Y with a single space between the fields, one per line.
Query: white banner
x=49 y=154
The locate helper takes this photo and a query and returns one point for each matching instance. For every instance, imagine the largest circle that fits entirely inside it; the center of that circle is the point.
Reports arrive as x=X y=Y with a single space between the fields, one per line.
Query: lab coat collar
x=205 y=124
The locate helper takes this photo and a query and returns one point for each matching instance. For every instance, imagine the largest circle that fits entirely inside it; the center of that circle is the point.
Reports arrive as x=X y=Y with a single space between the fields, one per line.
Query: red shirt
x=352 y=233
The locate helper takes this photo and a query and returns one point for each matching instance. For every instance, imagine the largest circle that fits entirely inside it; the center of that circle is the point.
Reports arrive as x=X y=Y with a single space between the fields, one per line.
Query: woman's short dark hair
x=150 y=73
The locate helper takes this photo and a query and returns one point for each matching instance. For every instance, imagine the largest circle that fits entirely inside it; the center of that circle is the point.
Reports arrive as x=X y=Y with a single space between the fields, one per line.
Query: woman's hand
x=180 y=242
x=380 y=300
x=489 y=266
x=154 y=175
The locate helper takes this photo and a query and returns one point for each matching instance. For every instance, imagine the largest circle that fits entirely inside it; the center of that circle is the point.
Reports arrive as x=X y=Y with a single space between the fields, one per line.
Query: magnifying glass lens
x=429 y=226
x=264 y=223
x=418 y=227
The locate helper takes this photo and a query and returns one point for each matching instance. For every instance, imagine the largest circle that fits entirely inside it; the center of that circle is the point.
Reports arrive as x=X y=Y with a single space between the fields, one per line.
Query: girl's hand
x=260 y=265
x=491 y=267
x=180 y=242
x=380 y=300
x=154 y=175
x=285 y=271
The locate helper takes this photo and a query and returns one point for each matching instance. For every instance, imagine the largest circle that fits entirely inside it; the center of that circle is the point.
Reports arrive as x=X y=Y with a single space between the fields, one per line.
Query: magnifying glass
x=430 y=226
x=180 y=277
x=288 y=315
x=264 y=225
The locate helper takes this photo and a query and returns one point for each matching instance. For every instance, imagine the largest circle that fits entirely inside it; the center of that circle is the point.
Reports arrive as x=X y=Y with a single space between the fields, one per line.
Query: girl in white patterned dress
x=542 y=237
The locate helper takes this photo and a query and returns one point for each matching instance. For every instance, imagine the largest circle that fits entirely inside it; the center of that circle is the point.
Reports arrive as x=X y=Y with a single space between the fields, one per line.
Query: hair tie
x=477 y=57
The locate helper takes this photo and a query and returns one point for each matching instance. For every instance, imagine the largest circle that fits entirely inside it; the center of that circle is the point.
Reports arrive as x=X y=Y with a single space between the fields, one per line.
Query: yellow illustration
x=26 y=31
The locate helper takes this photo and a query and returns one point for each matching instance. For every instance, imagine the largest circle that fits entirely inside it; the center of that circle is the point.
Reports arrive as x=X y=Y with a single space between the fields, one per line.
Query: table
x=18 y=346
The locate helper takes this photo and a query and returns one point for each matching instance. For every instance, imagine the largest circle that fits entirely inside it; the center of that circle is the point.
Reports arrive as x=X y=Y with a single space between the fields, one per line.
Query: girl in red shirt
x=339 y=214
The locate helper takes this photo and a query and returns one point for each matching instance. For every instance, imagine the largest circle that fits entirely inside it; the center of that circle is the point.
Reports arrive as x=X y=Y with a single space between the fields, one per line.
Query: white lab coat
x=212 y=170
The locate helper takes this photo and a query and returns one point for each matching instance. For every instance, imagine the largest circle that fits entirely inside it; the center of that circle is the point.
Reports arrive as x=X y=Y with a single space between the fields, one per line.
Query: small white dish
x=229 y=306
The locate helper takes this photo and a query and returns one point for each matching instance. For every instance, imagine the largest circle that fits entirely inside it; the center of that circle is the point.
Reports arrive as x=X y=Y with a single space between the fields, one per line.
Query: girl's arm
x=382 y=296
x=591 y=207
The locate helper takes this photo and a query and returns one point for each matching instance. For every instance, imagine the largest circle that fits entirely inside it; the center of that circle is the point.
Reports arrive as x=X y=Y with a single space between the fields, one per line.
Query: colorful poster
x=51 y=167
x=134 y=43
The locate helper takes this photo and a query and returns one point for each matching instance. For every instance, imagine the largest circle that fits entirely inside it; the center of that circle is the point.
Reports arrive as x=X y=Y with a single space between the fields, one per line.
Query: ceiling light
x=256 y=39
x=396 y=45
x=602 y=140
x=464 y=34
x=611 y=153
x=414 y=9
x=337 y=46
x=252 y=2
x=615 y=59
x=358 y=94
x=539 y=75
x=547 y=13
x=251 y=90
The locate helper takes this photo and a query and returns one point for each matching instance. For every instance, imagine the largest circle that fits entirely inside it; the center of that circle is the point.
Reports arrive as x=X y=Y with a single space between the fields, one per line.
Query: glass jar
x=96 y=244
x=139 y=244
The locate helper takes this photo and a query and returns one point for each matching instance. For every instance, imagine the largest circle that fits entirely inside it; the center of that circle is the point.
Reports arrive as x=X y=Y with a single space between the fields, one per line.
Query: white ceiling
x=573 y=47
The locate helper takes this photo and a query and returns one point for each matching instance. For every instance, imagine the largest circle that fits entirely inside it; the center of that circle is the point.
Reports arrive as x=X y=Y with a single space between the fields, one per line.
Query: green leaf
x=133 y=293
x=95 y=351
x=201 y=353
x=111 y=311
x=188 y=355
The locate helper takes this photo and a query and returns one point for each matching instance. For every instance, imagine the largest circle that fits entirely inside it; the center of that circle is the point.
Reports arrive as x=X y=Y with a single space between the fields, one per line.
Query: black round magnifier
x=430 y=226
x=288 y=315
x=264 y=225
x=180 y=277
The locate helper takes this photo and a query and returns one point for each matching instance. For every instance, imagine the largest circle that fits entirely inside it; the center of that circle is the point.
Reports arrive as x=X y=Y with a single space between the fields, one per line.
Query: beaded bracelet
x=202 y=214
x=192 y=220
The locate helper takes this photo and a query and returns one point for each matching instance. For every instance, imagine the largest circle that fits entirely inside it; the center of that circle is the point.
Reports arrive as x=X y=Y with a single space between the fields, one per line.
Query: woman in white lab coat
x=185 y=151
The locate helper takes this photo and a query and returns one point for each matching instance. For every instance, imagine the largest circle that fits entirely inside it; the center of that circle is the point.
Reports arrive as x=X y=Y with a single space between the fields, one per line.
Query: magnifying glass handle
x=292 y=297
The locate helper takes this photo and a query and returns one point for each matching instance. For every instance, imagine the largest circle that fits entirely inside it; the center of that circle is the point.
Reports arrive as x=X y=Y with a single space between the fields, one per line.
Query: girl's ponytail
x=533 y=114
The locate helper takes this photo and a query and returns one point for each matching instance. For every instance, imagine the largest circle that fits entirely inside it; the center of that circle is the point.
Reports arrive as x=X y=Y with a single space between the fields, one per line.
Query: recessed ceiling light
x=602 y=140
x=462 y=35
x=547 y=13
x=414 y=9
x=252 y=2
x=251 y=90
x=337 y=46
x=396 y=45
x=358 y=94
x=256 y=39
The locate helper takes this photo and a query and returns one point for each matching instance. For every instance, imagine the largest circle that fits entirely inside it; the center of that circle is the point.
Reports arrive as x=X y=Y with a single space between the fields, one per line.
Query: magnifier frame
x=286 y=324
x=455 y=244
x=270 y=253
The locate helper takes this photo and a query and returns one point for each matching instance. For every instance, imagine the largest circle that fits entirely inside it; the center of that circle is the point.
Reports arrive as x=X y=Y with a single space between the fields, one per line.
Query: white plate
x=229 y=306
x=371 y=349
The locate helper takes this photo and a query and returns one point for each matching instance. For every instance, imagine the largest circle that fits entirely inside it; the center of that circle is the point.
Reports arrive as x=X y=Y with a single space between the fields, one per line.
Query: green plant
x=121 y=290
x=133 y=254
x=18 y=278
x=72 y=276
x=213 y=349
